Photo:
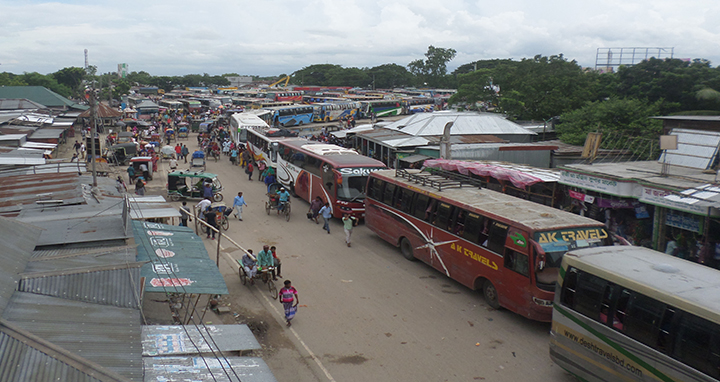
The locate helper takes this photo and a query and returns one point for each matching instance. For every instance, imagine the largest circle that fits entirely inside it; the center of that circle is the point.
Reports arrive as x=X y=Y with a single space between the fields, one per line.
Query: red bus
x=509 y=248
x=336 y=174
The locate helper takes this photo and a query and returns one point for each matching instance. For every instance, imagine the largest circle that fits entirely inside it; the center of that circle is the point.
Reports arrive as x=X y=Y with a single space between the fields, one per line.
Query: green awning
x=177 y=260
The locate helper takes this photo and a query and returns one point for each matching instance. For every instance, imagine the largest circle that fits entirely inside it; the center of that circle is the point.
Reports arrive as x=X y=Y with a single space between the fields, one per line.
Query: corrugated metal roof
x=40 y=95
x=17 y=242
x=116 y=284
x=158 y=340
x=464 y=123
x=47 y=133
x=696 y=149
x=99 y=250
x=106 y=335
x=48 y=168
x=19 y=192
x=248 y=369
x=28 y=358
x=19 y=104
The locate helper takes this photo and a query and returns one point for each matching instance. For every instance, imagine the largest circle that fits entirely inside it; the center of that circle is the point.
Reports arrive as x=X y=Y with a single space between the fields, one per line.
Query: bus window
x=458 y=227
x=420 y=205
x=406 y=202
x=643 y=319
x=697 y=344
x=567 y=295
x=444 y=212
x=496 y=237
x=388 y=194
x=328 y=177
x=518 y=262
x=473 y=226
x=430 y=211
x=621 y=310
x=376 y=188
x=588 y=295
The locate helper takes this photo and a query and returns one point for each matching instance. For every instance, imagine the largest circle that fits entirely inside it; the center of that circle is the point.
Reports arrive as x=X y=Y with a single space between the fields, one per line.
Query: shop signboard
x=595 y=183
x=581 y=196
x=656 y=196
x=691 y=223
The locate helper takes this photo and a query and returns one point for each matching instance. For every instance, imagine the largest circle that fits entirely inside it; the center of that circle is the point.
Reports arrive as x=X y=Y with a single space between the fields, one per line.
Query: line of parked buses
x=618 y=312
x=293 y=108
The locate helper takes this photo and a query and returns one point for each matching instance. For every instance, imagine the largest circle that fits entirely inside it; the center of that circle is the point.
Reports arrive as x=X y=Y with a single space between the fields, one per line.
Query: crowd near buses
x=618 y=312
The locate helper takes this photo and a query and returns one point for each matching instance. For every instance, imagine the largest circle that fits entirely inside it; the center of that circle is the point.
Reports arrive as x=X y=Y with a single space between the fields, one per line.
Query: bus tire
x=406 y=249
x=491 y=295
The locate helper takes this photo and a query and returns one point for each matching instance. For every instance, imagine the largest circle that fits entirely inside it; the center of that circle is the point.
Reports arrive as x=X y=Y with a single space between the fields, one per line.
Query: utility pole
x=93 y=131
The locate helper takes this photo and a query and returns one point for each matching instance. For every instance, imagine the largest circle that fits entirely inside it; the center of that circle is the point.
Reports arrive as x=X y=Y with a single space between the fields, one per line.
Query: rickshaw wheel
x=218 y=197
x=174 y=197
x=287 y=212
x=225 y=223
x=267 y=208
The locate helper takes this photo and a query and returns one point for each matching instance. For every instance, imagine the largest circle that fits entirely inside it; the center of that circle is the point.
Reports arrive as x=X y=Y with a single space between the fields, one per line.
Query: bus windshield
x=556 y=243
x=354 y=181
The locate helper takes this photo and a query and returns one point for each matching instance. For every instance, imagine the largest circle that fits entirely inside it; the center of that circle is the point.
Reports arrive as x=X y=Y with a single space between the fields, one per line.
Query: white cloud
x=280 y=36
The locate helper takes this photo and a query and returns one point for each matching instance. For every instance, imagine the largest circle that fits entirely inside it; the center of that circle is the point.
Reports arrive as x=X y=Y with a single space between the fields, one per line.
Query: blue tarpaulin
x=178 y=261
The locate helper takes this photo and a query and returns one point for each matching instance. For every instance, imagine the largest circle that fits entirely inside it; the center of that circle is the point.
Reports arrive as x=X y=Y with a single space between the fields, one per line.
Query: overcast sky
x=270 y=37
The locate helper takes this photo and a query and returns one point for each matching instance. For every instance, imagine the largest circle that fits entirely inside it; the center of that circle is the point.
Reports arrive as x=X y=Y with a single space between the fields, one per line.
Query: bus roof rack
x=438 y=178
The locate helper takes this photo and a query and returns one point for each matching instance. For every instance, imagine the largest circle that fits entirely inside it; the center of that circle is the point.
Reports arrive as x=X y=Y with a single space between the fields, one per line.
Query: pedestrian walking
x=120 y=185
x=211 y=219
x=144 y=170
x=207 y=190
x=82 y=150
x=348 y=222
x=238 y=204
x=140 y=187
x=314 y=210
x=261 y=166
x=326 y=213
x=76 y=146
x=276 y=261
x=185 y=152
x=288 y=297
x=131 y=173
x=249 y=170
x=184 y=216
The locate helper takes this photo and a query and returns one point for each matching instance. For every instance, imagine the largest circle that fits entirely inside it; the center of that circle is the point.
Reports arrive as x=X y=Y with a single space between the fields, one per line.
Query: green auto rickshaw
x=189 y=185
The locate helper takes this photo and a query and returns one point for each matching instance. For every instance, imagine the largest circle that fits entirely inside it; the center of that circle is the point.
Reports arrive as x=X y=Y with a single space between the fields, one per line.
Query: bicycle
x=264 y=275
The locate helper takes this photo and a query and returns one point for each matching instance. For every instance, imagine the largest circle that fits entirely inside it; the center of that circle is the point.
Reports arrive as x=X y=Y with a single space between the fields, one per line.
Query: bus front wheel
x=406 y=249
x=491 y=295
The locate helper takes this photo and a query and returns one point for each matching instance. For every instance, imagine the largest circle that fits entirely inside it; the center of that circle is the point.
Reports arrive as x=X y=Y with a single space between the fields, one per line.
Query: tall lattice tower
x=86 y=60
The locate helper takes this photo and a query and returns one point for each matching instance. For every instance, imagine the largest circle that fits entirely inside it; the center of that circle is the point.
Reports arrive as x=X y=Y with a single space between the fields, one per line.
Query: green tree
x=318 y=74
x=433 y=69
x=388 y=76
x=614 y=117
x=475 y=87
x=37 y=79
x=542 y=87
x=71 y=77
x=9 y=79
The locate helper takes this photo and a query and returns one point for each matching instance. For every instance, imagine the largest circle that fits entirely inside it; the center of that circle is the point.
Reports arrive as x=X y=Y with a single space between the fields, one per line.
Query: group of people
x=268 y=261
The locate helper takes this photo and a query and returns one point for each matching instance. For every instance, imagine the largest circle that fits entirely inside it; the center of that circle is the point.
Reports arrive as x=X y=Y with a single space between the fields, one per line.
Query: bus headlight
x=542 y=302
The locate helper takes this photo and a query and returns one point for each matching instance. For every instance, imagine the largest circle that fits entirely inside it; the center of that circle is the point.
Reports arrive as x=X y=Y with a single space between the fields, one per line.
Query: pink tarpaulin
x=519 y=179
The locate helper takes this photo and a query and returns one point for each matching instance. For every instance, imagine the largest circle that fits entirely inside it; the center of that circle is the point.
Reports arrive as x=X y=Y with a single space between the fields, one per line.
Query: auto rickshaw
x=196 y=124
x=167 y=152
x=121 y=153
x=183 y=131
x=189 y=185
x=137 y=161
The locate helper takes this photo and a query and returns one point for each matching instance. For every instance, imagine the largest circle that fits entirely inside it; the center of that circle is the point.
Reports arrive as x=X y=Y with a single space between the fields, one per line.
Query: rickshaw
x=167 y=152
x=195 y=127
x=189 y=185
x=222 y=211
x=273 y=204
x=169 y=135
x=264 y=275
x=137 y=161
x=183 y=131
x=198 y=159
x=155 y=139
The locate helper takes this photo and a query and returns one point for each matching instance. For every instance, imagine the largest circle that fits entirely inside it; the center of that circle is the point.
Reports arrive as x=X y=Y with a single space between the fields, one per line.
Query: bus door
x=516 y=265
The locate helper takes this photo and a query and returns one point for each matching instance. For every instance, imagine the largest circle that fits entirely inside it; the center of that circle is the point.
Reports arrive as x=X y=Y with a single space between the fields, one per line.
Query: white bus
x=628 y=313
x=241 y=122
